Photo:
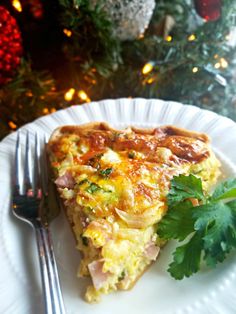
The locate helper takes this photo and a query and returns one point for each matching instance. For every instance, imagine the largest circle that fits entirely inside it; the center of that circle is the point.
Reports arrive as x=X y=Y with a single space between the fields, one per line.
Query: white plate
x=156 y=292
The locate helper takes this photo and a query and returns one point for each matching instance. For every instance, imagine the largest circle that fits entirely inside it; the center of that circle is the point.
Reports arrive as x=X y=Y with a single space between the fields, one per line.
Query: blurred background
x=59 y=53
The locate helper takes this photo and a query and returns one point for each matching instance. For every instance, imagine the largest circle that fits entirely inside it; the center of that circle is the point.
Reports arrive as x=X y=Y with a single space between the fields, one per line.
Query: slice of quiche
x=113 y=184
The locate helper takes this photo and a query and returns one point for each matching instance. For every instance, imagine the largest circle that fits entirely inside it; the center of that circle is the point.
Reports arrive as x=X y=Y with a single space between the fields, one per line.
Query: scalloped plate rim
x=25 y=126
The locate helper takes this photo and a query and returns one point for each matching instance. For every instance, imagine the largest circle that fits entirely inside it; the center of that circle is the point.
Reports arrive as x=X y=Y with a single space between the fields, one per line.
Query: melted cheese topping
x=114 y=186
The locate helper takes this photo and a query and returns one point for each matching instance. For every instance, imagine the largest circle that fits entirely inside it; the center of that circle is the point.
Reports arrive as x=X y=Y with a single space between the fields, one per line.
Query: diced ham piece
x=151 y=251
x=65 y=181
x=98 y=276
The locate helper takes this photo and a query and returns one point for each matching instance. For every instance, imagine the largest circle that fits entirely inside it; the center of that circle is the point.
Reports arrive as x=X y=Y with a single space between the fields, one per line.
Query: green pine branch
x=105 y=67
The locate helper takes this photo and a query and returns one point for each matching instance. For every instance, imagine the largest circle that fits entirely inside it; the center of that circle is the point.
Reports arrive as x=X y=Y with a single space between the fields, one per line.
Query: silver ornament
x=130 y=17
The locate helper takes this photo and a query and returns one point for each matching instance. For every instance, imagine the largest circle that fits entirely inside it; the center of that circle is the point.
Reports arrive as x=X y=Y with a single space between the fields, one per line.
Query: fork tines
x=34 y=177
x=16 y=179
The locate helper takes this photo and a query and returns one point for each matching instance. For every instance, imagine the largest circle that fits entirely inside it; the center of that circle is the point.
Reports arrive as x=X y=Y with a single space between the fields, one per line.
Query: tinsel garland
x=194 y=63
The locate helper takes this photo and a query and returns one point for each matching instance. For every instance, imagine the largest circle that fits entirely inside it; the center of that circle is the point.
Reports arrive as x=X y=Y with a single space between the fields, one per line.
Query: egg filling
x=114 y=185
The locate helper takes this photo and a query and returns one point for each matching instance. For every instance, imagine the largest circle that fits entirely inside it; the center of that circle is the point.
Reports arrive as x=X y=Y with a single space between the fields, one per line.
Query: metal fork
x=30 y=204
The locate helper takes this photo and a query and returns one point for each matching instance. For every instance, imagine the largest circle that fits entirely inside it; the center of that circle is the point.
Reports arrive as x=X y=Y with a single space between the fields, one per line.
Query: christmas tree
x=54 y=54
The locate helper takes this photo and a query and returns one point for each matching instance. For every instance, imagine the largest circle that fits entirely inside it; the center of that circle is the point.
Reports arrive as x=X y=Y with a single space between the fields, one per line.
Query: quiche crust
x=113 y=185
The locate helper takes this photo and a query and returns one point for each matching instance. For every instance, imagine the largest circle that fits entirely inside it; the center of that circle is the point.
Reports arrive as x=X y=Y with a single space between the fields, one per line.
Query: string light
x=147 y=68
x=17 y=5
x=224 y=63
x=168 y=38
x=90 y=80
x=68 y=96
x=150 y=80
x=195 y=69
x=191 y=37
x=67 y=32
x=83 y=96
x=216 y=56
x=45 y=111
x=53 y=110
x=29 y=94
x=12 y=125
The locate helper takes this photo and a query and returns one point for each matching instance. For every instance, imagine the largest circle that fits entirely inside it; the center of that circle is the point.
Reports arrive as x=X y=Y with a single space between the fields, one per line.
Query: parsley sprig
x=207 y=231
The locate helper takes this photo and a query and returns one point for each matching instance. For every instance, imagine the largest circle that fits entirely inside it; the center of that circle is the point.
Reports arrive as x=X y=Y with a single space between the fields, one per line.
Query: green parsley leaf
x=93 y=187
x=187 y=258
x=207 y=232
x=122 y=275
x=177 y=223
x=131 y=154
x=84 y=240
x=184 y=187
x=106 y=172
x=83 y=181
x=217 y=221
x=227 y=189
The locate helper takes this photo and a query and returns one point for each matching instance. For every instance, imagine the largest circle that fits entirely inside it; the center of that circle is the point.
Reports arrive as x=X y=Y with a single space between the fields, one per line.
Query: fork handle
x=51 y=286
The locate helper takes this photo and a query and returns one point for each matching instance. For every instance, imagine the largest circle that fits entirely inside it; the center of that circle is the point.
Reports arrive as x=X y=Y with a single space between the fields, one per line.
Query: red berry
x=10 y=45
